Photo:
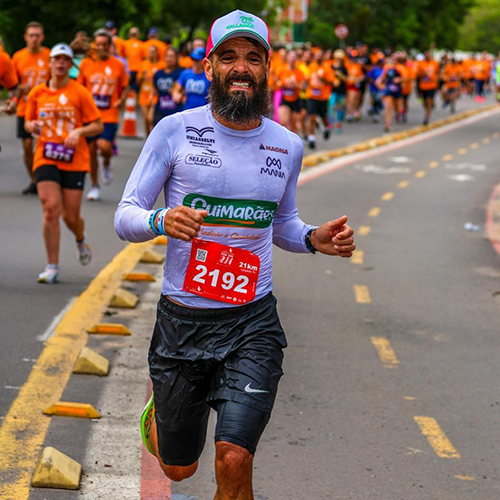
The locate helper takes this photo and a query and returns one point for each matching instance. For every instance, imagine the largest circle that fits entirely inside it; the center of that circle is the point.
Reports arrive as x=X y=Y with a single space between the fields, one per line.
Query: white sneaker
x=108 y=174
x=49 y=274
x=94 y=193
x=84 y=253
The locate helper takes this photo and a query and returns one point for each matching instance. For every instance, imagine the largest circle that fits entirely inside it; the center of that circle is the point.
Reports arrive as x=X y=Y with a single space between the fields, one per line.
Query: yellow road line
x=358 y=257
x=362 y=294
x=486 y=140
x=474 y=145
x=409 y=398
x=388 y=196
x=385 y=351
x=465 y=478
x=24 y=427
x=420 y=174
x=463 y=151
x=436 y=437
x=403 y=184
x=364 y=230
x=447 y=157
x=374 y=212
x=433 y=164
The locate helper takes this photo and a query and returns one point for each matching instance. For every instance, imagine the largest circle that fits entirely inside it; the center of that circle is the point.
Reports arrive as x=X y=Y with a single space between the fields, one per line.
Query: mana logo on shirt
x=274 y=149
x=237 y=213
x=269 y=170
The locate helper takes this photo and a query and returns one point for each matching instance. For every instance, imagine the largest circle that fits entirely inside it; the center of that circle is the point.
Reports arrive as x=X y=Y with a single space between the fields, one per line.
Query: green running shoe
x=147 y=419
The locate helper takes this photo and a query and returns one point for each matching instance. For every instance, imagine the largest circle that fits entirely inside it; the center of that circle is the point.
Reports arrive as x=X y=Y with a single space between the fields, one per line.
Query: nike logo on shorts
x=249 y=389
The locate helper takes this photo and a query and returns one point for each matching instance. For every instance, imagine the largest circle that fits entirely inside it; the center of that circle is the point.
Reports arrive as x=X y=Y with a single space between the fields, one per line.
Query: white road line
x=330 y=166
x=52 y=327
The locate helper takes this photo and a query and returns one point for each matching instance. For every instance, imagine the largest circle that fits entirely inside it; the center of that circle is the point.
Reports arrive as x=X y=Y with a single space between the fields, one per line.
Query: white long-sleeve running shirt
x=247 y=180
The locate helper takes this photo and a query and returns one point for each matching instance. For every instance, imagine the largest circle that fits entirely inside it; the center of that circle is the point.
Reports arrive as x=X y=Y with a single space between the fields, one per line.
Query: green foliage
x=62 y=19
x=481 y=29
x=384 y=23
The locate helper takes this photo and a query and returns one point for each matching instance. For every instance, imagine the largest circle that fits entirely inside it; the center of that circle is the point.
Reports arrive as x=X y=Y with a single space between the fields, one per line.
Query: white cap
x=235 y=24
x=420 y=56
x=62 y=49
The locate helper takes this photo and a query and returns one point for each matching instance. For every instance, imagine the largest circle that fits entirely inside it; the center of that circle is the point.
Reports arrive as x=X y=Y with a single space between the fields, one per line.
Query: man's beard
x=238 y=106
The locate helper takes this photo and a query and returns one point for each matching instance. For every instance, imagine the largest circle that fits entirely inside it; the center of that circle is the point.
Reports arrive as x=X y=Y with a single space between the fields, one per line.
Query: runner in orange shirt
x=428 y=82
x=452 y=74
x=134 y=53
x=319 y=88
x=407 y=87
x=291 y=81
x=118 y=42
x=61 y=113
x=355 y=76
x=107 y=80
x=153 y=39
x=481 y=71
x=149 y=67
x=8 y=80
x=32 y=68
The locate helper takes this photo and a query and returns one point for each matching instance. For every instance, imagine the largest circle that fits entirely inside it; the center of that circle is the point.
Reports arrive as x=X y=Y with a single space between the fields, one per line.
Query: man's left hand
x=334 y=238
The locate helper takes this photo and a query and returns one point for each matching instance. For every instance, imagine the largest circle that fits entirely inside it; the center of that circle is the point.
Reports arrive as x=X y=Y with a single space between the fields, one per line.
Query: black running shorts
x=228 y=359
x=67 y=179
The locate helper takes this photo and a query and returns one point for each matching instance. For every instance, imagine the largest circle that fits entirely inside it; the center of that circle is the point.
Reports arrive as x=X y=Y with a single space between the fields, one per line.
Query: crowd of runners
x=313 y=89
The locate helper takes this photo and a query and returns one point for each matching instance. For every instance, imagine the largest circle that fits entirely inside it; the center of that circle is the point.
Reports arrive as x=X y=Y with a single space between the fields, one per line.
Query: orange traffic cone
x=129 y=128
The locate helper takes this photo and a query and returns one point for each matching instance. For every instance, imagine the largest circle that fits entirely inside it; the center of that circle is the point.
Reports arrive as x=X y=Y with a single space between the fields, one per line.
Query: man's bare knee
x=177 y=472
x=232 y=459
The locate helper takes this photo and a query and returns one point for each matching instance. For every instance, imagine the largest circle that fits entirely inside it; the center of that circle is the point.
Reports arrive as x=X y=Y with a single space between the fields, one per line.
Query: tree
x=481 y=29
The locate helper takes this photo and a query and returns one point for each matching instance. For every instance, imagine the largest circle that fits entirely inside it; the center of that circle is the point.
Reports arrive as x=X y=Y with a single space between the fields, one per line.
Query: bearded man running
x=229 y=176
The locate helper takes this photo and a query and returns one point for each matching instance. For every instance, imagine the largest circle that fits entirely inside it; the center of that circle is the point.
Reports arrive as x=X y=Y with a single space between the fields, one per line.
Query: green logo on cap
x=245 y=22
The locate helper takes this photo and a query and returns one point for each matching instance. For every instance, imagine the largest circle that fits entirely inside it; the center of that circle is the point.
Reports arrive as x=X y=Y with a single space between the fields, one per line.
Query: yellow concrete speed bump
x=109 y=329
x=152 y=257
x=56 y=470
x=161 y=240
x=138 y=277
x=79 y=410
x=123 y=299
x=91 y=363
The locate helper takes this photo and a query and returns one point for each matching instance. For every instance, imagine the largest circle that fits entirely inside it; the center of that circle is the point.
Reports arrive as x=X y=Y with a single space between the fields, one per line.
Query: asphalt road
x=421 y=294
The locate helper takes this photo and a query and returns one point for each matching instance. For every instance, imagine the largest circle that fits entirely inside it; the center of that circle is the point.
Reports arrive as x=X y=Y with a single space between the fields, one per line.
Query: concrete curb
x=316 y=159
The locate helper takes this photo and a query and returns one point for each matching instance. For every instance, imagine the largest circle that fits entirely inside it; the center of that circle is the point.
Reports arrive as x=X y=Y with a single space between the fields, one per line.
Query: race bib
x=102 y=101
x=316 y=92
x=166 y=103
x=288 y=92
x=221 y=272
x=393 y=87
x=58 y=152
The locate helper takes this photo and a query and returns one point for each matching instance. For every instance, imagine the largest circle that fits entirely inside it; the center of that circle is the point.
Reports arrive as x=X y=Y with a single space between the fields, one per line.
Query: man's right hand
x=183 y=222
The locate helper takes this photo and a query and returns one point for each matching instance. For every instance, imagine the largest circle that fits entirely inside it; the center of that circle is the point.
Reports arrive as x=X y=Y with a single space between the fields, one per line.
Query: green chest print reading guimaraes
x=238 y=213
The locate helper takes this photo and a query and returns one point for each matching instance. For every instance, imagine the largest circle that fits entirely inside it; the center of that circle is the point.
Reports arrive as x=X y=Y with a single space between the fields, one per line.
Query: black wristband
x=309 y=244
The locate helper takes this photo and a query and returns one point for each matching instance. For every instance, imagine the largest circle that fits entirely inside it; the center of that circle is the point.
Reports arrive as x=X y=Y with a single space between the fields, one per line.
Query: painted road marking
x=486 y=140
x=436 y=437
x=420 y=174
x=447 y=157
x=52 y=327
x=385 y=351
x=465 y=478
x=409 y=398
x=339 y=163
x=22 y=438
x=474 y=145
x=463 y=151
x=388 y=196
x=374 y=212
x=358 y=257
x=364 y=230
x=433 y=164
x=362 y=294
x=403 y=184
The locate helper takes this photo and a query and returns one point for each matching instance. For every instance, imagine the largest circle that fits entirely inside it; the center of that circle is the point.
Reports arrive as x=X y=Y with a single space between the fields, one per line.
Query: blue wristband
x=152 y=222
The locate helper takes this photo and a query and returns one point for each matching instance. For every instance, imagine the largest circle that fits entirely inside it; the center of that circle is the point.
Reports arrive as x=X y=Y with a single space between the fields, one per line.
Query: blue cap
x=198 y=54
x=153 y=31
x=110 y=24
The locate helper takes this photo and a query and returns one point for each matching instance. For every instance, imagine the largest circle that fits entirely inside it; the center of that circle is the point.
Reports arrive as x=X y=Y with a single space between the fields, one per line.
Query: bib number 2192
x=223 y=273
